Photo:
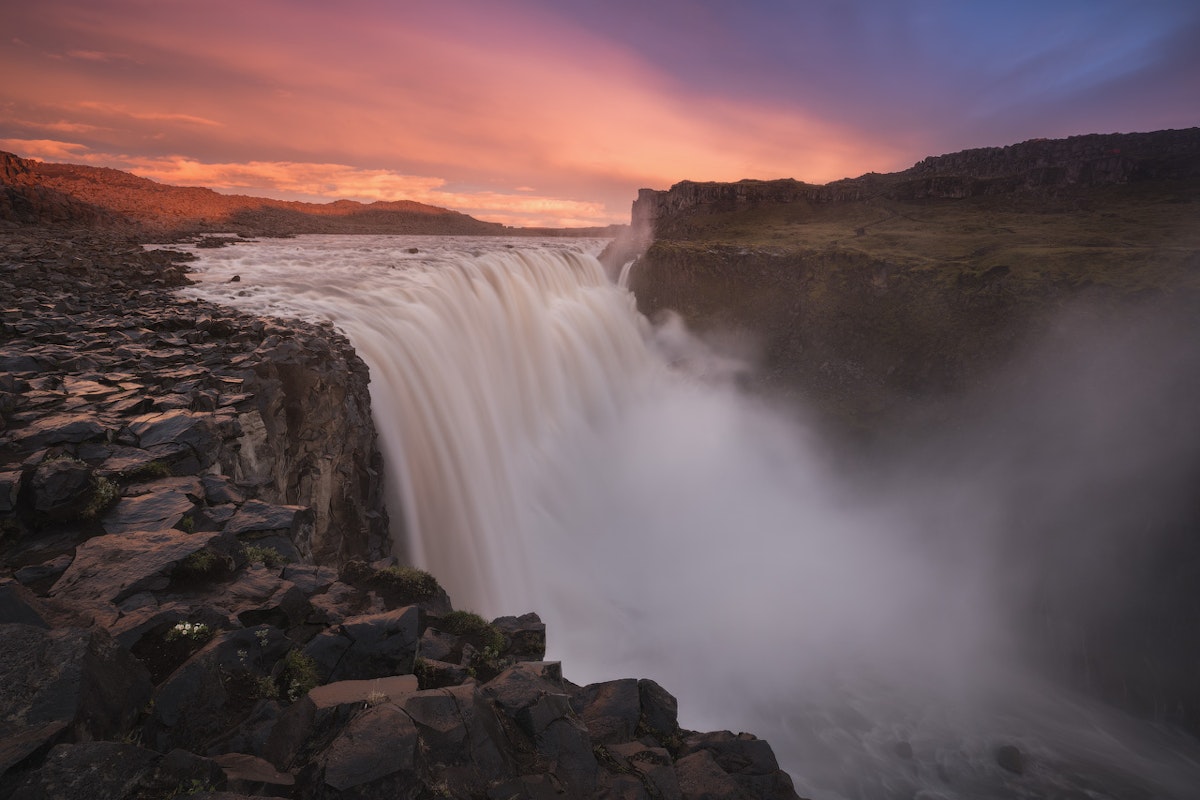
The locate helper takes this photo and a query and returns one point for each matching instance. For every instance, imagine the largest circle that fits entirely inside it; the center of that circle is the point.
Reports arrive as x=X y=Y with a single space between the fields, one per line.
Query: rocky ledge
x=195 y=591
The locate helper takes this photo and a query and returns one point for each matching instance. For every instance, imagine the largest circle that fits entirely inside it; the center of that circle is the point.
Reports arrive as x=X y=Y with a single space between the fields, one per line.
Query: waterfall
x=553 y=452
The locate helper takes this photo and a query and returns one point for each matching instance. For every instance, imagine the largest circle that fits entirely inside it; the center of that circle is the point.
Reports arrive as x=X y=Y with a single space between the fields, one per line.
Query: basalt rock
x=195 y=593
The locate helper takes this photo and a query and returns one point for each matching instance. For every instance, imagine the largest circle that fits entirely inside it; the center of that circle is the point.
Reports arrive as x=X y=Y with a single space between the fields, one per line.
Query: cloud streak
x=586 y=104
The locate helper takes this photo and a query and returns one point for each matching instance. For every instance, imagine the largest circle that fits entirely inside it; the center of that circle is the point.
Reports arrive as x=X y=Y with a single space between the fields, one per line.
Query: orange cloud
x=44 y=149
x=155 y=116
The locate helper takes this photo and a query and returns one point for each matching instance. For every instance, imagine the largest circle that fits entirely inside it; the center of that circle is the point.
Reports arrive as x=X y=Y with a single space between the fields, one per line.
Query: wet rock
x=519 y=686
x=61 y=686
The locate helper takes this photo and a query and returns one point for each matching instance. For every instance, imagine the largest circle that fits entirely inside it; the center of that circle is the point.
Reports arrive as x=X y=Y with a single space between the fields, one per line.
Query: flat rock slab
x=245 y=771
x=378 y=690
x=60 y=429
x=159 y=511
x=108 y=569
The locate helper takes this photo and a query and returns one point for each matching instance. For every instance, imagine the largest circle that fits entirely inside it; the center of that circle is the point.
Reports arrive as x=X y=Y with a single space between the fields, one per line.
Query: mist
x=940 y=596
x=886 y=617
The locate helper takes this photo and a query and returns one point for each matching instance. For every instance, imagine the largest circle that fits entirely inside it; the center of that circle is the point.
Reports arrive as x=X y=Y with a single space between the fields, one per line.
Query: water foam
x=553 y=453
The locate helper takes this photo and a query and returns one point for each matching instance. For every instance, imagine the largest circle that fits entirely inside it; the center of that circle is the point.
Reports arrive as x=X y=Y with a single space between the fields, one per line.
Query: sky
x=555 y=112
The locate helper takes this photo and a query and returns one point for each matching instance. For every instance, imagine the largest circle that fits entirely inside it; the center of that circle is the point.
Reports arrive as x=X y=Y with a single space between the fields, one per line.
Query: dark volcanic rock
x=203 y=490
x=368 y=646
x=61 y=686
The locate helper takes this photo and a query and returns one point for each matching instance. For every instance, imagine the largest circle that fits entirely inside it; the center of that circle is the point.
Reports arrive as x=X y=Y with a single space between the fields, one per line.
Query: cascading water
x=553 y=452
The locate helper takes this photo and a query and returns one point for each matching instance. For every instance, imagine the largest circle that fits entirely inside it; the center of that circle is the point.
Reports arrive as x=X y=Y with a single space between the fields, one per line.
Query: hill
x=37 y=193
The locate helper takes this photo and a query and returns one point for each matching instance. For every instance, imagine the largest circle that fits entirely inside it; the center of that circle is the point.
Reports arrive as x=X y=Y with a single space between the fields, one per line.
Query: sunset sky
x=554 y=112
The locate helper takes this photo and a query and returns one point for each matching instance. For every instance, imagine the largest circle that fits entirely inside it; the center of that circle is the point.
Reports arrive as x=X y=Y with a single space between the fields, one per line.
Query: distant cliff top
x=1036 y=167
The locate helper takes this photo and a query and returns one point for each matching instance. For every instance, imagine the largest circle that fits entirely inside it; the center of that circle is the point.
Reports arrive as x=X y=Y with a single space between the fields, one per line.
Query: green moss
x=199 y=565
x=187 y=524
x=149 y=471
x=415 y=583
x=299 y=675
x=267 y=556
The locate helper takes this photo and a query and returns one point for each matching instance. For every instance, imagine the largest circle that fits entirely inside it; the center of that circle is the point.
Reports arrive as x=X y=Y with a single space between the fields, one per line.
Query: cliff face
x=884 y=301
x=1038 y=166
x=870 y=294
x=281 y=410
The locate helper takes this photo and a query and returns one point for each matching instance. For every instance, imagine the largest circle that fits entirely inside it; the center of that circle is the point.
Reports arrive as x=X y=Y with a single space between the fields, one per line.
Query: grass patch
x=415 y=583
x=267 y=556
x=152 y=470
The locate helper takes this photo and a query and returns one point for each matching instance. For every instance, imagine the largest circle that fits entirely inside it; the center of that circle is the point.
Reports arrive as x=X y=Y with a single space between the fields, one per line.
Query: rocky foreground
x=196 y=596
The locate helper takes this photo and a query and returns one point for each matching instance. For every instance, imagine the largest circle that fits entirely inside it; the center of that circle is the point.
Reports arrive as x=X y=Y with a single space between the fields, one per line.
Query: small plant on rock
x=267 y=556
x=200 y=562
x=376 y=698
x=416 y=583
x=104 y=495
x=151 y=470
x=299 y=675
x=195 y=631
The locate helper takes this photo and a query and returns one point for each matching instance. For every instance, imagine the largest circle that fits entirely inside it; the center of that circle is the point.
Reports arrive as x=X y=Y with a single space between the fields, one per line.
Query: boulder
x=375 y=756
x=62 y=686
x=215 y=690
x=610 y=710
x=748 y=760
x=92 y=770
x=18 y=604
x=562 y=741
x=371 y=646
x=62 y=488
x=463 y=738
x=660 y=710
x=701 y=778
x=526 y=636
x=652 y=766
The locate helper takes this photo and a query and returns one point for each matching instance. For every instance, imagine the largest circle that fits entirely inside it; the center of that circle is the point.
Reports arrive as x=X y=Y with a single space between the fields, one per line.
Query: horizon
x=554 y=115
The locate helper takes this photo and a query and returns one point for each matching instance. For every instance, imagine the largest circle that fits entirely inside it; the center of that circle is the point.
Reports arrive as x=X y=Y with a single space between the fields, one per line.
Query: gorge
x=898 y=478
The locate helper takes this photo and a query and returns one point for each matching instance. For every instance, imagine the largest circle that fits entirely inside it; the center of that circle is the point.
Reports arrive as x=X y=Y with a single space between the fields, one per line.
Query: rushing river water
x=552 y=451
